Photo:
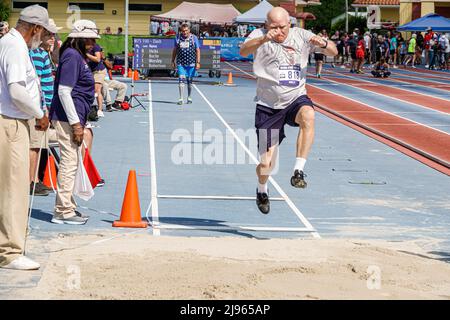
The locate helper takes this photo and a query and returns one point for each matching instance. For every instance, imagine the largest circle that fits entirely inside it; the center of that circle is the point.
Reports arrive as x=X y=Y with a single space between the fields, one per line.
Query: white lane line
x=370 y=83
x=239 y=69
x=385 y=96
x=151 y=139
x=372 y=107
x=302 y=218
x=169 y=196
x=231 y=228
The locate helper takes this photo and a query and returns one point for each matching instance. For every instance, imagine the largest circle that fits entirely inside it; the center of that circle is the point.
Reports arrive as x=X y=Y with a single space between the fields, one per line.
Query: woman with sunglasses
x=74 y=95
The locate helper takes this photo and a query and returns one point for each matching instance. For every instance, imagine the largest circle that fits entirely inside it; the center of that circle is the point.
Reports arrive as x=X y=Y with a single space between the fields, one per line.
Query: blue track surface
x=357 y=187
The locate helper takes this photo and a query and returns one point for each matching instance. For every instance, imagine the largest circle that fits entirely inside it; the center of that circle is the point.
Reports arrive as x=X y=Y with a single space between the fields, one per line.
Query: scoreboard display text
x=156 y=53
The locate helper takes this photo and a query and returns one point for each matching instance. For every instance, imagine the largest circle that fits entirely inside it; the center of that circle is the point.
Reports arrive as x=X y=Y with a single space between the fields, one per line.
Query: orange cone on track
x=129 y=75
x=130 y=216
x=50 y=173
x=136 y=75
x=230 y=80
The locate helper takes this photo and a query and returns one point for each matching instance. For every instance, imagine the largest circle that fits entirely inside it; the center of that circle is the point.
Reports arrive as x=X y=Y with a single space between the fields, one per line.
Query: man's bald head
x=278 y=24
x=278 y=15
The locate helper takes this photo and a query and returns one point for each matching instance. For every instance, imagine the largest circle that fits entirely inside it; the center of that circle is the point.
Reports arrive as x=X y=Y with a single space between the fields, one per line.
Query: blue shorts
x=187 y=71
x=269 y=123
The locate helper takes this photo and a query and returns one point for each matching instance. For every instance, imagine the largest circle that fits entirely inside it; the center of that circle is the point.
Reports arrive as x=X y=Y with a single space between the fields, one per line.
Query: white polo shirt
x=16 y=66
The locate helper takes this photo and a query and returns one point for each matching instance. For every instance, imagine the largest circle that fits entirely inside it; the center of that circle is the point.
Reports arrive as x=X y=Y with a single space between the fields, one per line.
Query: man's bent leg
x=305 y=119
x=266 y=165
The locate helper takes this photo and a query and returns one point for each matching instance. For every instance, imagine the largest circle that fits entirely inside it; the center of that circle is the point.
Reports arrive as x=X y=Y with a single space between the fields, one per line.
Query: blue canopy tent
x=433 y=20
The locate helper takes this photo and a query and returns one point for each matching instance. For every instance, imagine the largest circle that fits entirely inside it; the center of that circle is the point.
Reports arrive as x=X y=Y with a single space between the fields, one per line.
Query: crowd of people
x=48 y=90
x=201 y=30
x=357 y=49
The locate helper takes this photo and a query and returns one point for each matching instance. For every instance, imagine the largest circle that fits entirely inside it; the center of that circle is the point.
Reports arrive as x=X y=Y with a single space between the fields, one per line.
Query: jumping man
x=280 y=64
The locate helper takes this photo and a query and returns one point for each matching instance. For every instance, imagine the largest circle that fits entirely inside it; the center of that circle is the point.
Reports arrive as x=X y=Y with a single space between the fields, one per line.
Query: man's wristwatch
x=326 y=45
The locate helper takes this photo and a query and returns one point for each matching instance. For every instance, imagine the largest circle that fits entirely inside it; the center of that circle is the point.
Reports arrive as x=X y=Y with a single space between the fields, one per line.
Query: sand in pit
x=140 y=266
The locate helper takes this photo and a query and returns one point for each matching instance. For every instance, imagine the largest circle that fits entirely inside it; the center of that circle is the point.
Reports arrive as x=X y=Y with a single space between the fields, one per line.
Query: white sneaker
x=22 y=263
x=427 y=66
x=100 y=114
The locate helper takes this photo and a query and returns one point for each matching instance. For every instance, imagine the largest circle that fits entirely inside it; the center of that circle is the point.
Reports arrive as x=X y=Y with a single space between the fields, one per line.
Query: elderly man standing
x=20 y=100
x=280 y=64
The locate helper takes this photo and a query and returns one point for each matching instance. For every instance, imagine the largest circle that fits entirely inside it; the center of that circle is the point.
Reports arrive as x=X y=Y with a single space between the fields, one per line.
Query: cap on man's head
x=84 y=29
x=38 y=15
x=429 y=29
x=52 y=23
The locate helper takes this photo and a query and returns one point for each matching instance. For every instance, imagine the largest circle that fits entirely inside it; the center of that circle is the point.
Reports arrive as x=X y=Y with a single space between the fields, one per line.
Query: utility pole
x=126 y=37
x=346 y=16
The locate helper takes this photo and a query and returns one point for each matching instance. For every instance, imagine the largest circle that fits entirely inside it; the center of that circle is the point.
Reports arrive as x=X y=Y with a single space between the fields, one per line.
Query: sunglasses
x=96 y=30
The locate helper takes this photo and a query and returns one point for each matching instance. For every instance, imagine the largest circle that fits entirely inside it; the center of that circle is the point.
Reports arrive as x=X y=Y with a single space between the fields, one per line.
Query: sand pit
x=140 y=266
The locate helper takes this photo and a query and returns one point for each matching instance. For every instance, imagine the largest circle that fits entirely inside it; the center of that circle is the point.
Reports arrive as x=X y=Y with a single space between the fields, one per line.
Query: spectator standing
x=411 y=51
x=43 y=66
x=427 y=46
x=20 y=100
x=74 y=85
x=360 y=52
x=99 y=71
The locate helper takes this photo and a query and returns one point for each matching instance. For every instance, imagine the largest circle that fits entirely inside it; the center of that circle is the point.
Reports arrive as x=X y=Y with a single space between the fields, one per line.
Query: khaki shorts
x=36 y=136
x=99 y=76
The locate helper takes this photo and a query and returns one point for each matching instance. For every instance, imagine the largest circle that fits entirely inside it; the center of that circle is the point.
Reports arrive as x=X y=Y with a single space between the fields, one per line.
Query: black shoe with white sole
x=298 y=179
x=263 y=202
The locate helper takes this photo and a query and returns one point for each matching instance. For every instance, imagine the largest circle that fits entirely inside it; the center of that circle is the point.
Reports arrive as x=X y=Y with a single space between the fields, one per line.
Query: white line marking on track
x=154 y=192
x=169 y=196
x=239 y=69
x=302 y=218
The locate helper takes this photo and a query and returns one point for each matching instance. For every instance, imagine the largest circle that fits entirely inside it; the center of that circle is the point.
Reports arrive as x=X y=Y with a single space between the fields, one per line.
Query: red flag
x=91 y=170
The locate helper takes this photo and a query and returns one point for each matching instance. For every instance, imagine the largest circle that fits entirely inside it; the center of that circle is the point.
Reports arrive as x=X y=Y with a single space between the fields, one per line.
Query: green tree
x=325 y=13
x=5 y=10
x=353 y=22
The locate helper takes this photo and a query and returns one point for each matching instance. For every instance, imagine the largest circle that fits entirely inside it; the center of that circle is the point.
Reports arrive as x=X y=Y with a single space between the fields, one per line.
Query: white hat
x=52 y=23
x=84 y=29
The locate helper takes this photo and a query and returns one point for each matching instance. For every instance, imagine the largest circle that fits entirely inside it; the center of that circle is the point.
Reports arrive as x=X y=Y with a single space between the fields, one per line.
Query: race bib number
x=289 y=75
x=184 y=44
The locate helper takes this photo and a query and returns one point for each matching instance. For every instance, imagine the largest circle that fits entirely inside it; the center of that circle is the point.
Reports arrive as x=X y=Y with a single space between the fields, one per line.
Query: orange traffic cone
x=129 y=73
x=50 y=173
x=136 y=75
x=230 y=80
x=130 y=217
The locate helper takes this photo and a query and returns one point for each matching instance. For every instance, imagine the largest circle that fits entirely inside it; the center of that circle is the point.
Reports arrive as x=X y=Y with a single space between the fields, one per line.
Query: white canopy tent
x=257 y=14
x=200 y=12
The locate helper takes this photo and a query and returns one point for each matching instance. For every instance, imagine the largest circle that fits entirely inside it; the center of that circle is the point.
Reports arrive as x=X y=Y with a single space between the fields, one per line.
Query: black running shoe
x=262 y=201
x=101 y=183
x=298 y=179
x=38 y=190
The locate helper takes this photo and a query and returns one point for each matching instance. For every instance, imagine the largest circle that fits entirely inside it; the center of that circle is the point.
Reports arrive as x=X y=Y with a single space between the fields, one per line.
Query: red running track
x=396 y=77
x=417 y=98
x=424 y=144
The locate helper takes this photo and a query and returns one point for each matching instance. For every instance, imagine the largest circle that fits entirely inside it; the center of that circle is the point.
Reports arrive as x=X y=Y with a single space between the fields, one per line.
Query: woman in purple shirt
x=74 y=95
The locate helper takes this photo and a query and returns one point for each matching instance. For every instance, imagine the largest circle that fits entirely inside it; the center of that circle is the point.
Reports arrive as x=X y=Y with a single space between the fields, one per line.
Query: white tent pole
x=126 y=37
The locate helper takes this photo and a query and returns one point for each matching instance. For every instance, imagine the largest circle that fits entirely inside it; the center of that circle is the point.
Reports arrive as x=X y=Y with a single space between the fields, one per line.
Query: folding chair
x=135 y=97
